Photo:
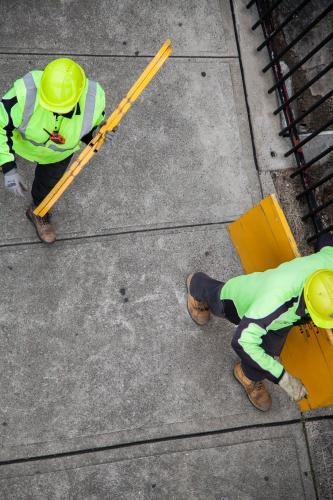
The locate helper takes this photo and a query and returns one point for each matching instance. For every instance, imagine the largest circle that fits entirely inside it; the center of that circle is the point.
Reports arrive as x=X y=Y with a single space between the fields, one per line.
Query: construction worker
x=264 y=306
x=43 y=118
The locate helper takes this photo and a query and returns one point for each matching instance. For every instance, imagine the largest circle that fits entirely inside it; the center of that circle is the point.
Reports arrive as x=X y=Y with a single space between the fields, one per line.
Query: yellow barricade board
x=263 y=240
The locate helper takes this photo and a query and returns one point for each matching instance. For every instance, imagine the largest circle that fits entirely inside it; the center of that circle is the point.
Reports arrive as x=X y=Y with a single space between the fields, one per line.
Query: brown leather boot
x=256 y=391
x=199 y=312
x=44 y=228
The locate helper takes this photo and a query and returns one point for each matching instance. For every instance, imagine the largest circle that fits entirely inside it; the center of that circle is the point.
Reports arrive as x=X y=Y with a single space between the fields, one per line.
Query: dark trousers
x=208 y=290
x=46 y=177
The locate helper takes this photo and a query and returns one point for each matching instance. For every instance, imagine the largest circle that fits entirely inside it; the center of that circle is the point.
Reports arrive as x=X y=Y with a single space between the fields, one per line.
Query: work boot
x=256 y=391
x=199 y=311
x=44 y=228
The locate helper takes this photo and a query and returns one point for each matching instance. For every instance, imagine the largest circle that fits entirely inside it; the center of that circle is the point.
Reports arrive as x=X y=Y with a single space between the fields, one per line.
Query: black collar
x=70 y=113
x=300 y=311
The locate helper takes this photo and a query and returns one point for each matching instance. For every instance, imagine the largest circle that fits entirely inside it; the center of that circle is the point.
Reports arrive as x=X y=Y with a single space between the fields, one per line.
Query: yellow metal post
x=263 y=240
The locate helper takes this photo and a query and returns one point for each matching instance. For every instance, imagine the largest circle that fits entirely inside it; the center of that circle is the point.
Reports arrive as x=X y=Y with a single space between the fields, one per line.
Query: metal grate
x=266 y=12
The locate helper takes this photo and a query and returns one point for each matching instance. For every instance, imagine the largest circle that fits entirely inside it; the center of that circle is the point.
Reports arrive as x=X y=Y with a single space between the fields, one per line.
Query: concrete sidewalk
x=108 y=389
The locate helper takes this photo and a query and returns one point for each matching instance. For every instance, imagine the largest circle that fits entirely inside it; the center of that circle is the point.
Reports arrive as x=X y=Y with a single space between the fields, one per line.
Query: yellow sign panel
x=263 y=240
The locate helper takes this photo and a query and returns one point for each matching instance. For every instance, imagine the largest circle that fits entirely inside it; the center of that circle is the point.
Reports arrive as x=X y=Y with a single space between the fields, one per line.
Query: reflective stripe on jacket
x=270 y=303
x=25 y=126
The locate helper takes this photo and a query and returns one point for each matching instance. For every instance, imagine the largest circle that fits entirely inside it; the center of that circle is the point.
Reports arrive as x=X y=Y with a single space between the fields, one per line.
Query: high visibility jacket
x=25 y=126
x=269 y=303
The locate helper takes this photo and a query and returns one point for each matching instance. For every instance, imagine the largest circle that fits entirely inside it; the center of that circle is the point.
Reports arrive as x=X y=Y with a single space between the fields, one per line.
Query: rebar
x=298 y=37
x=250 y=4
x=312 y=162
x=307 y=112
x=305 y=87
x=289 y=116
x=309 y=138
x=318 y=209
x=266 y=14
x=283 y=24
x=315 y=185
x=303 y=61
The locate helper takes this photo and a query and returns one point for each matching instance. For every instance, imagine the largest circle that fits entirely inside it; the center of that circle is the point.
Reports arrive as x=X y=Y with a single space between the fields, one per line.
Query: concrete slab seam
x=119 y=233
x=161 y=440
x=313 y=474
x=159 y=454
x=255 y=159
x=125 y=56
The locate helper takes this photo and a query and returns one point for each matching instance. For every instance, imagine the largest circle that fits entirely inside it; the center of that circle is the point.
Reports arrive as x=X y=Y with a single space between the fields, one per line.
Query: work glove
x=293 y=387
x=14 y=183
x=109 y=136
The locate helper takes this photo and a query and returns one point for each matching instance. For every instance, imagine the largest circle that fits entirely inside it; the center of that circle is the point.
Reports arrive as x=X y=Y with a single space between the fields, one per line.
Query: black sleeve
x=324 y=240
x=6 y=167
x=8 y=104
x=87 y=138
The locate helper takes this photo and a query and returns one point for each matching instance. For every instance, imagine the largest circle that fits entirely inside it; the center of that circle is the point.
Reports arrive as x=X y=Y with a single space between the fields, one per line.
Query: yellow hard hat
x=61 y=86
x=318 y=295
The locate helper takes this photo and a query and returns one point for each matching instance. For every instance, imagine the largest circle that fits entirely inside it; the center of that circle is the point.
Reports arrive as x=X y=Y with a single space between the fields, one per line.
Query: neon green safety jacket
x=265 y=305
x=25 y=126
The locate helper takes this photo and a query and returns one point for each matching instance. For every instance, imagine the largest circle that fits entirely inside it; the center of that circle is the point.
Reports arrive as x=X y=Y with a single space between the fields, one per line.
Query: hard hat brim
x=56 y=108
x=318 y=321
x=69 y=104
x=322 y=323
